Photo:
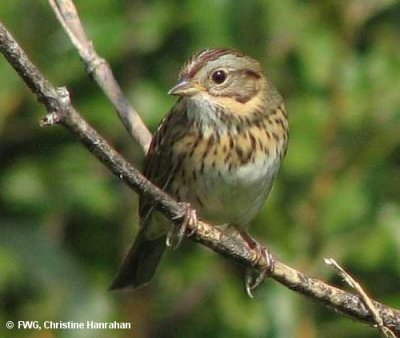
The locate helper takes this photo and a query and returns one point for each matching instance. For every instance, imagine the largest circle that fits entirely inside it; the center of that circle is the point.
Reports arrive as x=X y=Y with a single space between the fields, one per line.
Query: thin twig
x=388 y=333
x=100 y=70
x=60 y=111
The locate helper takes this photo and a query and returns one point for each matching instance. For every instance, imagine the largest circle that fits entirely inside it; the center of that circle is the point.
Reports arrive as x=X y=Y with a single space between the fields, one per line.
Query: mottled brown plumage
x=219 y=149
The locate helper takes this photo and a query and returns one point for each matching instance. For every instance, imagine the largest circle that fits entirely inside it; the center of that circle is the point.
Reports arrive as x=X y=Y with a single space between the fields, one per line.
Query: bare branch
x=60 y=111
x=100 y=70
x=363 y=295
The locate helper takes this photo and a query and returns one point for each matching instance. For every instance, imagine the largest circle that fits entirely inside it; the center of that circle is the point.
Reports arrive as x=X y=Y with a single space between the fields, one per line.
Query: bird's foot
x=188 y=227
x=254 y=277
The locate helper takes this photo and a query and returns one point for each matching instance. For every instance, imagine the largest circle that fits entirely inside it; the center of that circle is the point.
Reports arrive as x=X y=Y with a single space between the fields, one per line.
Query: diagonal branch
x=100 y=70
x=60 y=111
x=386 y=332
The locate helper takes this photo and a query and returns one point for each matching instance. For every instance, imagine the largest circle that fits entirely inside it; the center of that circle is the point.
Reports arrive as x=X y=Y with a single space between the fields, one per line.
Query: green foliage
x=65 y=221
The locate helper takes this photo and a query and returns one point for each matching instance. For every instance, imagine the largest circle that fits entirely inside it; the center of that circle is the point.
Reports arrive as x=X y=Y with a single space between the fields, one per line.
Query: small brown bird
x=219 y=149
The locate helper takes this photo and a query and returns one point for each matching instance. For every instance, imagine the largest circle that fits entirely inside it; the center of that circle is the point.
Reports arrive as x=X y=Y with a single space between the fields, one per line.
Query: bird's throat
x=222 y=113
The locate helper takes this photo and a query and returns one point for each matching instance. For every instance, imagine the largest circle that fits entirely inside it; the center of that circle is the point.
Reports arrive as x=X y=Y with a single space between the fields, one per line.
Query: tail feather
x=139 y=266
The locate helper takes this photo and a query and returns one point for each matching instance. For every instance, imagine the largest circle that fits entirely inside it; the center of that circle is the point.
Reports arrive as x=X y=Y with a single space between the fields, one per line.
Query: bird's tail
x=139 y=266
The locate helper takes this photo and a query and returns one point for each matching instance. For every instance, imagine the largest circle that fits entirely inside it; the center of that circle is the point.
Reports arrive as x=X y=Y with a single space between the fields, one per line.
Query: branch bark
x=60 y=111
x=99 y=69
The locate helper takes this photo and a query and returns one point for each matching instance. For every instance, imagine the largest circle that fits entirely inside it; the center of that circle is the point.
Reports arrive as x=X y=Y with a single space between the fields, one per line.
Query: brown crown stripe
x=200 y=59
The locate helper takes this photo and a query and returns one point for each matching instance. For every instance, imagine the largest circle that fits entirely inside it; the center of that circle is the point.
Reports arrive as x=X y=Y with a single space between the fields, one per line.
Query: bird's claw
x=189 y=222
x=253 y=277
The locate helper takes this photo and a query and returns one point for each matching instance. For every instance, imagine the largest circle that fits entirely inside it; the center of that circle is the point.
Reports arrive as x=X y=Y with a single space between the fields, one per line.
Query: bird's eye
x=219 y=76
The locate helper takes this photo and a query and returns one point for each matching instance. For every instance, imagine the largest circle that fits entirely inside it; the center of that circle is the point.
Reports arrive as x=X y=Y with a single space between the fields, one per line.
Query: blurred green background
x=66 y=222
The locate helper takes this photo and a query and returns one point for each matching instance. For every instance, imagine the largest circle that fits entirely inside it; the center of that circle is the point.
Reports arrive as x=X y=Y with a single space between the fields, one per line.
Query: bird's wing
x=161 y=164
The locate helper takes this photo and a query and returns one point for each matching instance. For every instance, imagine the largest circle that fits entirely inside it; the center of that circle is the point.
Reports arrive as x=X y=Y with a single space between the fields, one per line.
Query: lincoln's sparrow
x=219 y=149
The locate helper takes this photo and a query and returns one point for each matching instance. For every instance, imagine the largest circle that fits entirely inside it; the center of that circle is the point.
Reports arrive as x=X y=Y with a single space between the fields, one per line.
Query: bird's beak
x=184 y=88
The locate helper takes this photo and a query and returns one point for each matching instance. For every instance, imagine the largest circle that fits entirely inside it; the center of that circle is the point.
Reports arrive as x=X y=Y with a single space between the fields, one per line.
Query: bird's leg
x=189 y=221
x=254 y=277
